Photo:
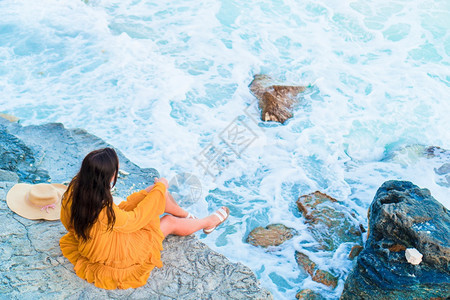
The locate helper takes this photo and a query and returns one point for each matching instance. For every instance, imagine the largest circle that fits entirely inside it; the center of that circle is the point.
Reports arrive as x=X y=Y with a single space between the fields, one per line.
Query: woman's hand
x=163 y=181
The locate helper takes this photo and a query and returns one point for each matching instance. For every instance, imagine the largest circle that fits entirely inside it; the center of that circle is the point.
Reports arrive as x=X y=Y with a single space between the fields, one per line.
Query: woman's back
x=124 y=256
x=118 y=246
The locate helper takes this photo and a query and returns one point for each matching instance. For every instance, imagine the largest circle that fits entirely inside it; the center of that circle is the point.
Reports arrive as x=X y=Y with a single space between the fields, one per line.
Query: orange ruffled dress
x=124 y=257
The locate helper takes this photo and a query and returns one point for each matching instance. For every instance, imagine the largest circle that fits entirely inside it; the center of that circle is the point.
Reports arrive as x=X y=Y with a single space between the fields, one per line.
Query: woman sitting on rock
x=118 y=246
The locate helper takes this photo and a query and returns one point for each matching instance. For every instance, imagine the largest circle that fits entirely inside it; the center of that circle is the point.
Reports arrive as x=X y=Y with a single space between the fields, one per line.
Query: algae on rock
x=330 y=223
x=272 y=235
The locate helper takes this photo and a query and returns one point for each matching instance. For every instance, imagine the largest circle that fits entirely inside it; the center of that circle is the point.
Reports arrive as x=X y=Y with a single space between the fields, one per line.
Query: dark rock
x=275 y=101
x=355 y=251
x=317 y=275
x=362 y=229
x=330 y=223
x=308 y=294
x=272 y=235
x=32 y=265
x=403 y=215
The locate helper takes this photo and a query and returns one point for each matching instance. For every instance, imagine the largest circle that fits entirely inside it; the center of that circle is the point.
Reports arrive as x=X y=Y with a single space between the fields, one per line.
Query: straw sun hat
x=36 y=201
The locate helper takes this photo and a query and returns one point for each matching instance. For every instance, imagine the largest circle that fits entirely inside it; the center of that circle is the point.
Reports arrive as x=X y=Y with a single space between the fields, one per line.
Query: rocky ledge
x=31 y=262
x=403 y=219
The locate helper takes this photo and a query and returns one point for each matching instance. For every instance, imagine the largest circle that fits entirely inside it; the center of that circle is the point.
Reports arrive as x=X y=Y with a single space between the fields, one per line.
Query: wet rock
x=9 y=117
x=272 y=235
x=304 y=262
x=444 y=169
x=403 y=214
x=18 y=158
x=439 y=160
x=49 y=145
x=308 y=294
x=409 y=154
x=326 y=278
x=397 y=248
x=435 y=151
x=355 y=252
x=317 y=275
x=32 y=265
x=275 y=101
x=330 y=223
x=442 y=159
x=8 y=176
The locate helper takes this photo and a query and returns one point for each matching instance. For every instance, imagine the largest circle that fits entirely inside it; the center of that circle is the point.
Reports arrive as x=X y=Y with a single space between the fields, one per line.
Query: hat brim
x=17 y=202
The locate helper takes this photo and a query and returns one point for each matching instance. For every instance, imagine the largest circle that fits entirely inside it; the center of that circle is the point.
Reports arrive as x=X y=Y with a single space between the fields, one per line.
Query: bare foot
x=216 y=219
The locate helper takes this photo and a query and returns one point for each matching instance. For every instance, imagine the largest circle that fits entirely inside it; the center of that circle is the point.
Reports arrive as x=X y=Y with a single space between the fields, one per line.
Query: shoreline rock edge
x=31 y=262
x=403 y=216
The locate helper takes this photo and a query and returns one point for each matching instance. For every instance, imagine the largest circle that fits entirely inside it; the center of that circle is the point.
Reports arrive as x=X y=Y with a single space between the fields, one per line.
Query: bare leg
x=172 y=206
x=180 y=226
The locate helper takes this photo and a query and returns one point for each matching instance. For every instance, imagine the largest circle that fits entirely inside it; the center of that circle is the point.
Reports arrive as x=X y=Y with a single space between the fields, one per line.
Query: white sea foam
x=163 y=80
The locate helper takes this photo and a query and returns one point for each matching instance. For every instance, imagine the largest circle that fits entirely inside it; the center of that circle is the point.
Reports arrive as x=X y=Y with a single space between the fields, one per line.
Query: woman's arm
x=152 y=206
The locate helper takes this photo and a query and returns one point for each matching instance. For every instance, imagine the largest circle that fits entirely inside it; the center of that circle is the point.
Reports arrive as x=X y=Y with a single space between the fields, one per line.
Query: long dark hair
x=90 y=191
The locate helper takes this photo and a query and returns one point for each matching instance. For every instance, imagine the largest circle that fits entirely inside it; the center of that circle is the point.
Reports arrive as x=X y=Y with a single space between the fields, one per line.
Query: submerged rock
x=439 y=160
x=435 y=151
x=442 y=171
x=317 y=275
x=9 y=117
x=308 y=294
x=403 y=216
x=31 y=263
x=305 y=263
x=330 y=223
x=272 y=235
x=275 y=101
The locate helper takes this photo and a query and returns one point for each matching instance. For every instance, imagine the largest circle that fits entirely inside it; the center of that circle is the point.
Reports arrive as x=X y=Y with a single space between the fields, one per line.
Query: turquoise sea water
x=167 y=83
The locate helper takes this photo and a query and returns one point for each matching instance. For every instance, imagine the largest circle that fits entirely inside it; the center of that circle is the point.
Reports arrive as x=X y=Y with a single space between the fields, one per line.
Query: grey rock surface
x=8 y=176
x=403 y=216
x=31 y=263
